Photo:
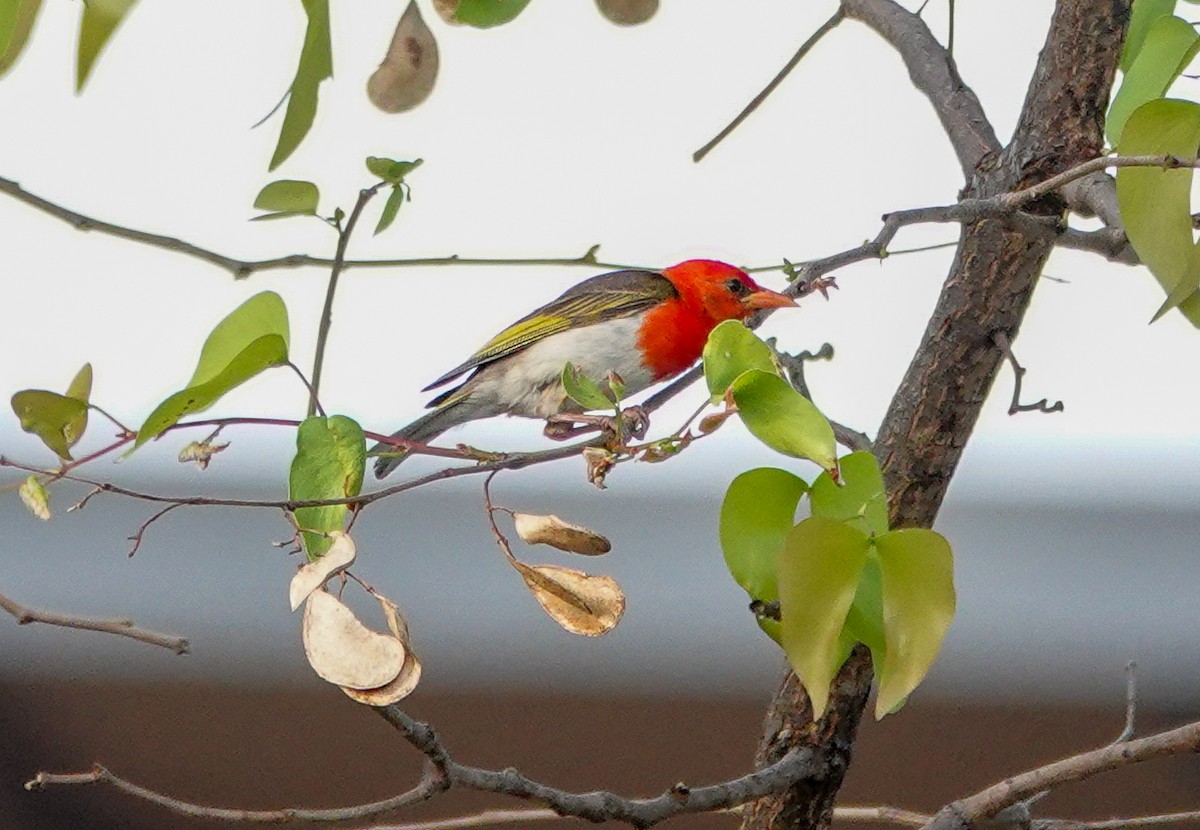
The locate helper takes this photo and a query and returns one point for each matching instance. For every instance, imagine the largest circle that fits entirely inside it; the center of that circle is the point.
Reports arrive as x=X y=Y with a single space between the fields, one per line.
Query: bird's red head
x=721 y=291
x=710 y=292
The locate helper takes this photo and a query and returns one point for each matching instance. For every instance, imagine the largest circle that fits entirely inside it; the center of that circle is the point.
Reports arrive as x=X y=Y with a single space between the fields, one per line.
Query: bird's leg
x=633 y=421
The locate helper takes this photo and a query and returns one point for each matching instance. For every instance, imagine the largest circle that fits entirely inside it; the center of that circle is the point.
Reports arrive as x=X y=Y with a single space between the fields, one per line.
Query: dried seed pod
x=628 y=12
x=581 y=603
x=410 y=674
x=553 y=531
x=409 y=69
x=344 y=651
x=313 y=575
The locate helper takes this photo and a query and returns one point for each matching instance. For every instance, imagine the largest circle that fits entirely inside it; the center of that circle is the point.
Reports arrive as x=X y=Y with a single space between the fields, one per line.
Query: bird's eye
x=737 y=288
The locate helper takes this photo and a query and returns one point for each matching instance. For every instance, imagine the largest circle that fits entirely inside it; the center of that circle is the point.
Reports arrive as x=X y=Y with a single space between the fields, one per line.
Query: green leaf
x=583 y=390
x=758 y=513
x=390 y=170
x=1156 y=204
x=50 y=416
x=16 y=21
x=1145 y=12
x=782 y=418
x=918 y=607
x=316 y=64
x=250 y=339
x=483 y=14
x=81 y=390
x=100 y=19
x=819 y=571
x=859 y=498
x=1170 y=44
x=390 y=209
x=864 y=622
x=287 y=197
x=732 y=349
x=35 y=497
x=330 y=458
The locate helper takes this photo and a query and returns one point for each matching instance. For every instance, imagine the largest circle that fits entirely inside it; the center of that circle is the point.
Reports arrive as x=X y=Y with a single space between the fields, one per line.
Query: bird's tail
x=422 y=431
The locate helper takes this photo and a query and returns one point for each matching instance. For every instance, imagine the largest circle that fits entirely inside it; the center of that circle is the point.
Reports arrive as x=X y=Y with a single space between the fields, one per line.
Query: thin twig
x=430 y=785
x=881 y=815
x=1130 y=703
x=314 y=403
x=136 y=538
x=1001 y=341
x=339 y=263
x=121 y=628
x=825 y=28
x=1190 y=817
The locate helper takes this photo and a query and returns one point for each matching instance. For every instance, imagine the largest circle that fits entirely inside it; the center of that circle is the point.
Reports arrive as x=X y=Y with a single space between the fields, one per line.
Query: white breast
x=529 y=383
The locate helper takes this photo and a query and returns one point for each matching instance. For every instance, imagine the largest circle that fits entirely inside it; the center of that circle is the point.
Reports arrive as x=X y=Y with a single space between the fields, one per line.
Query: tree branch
x=121 y=628
x=825 y=28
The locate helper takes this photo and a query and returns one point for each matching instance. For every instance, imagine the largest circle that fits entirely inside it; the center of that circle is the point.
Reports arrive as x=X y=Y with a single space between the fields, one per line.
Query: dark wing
x=604 y=297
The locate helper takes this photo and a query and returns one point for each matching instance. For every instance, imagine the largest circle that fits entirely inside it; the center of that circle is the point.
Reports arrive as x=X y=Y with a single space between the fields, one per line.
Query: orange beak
x=765 y=298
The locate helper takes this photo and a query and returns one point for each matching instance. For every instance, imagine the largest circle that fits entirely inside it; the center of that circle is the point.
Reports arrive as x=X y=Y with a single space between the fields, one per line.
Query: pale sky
x=541 y=139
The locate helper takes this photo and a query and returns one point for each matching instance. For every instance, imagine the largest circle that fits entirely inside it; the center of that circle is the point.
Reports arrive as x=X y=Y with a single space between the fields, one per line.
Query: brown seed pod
x=628 y=12
x=410 y=67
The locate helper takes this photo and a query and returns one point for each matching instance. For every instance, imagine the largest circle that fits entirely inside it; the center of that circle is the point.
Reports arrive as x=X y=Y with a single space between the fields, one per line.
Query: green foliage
x=59 y=420
x=819 y=570
x=330 y=458
x=1145 y=13
x=585 y=391
x=483 y=14
x=782 y=418
x=16 y=21
x=287 y=197
x=857 y=497
x=252 y=338
x=316 y=64
x=1156 y=204
x=918 y=606
x=730 y=350
x=393 y=172
x=100 y=19
x=1169 y=46
x=757 y=514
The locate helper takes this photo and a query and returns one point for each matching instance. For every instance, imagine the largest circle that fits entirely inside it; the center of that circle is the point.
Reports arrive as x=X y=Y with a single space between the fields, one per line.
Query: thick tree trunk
x=938 y=402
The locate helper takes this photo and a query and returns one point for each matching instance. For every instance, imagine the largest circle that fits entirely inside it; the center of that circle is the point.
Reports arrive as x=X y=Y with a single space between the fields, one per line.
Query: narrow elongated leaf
x=16 y=21
x=1156 y=204
x=330 y=457
x=483 y=14
x=1170 y=44
x=316 y=64
x=50 y=416
x=782 y=418
x=1145 y=12
x=819 y=572
x=918 y=607
x=583 y=390
x=100 y=19
x=859 y=497
x=390 y=209
x=732 y=349
x=288 y=197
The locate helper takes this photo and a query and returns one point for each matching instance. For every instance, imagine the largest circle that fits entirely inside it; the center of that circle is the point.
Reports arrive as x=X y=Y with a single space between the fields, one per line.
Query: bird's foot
x=632 y=422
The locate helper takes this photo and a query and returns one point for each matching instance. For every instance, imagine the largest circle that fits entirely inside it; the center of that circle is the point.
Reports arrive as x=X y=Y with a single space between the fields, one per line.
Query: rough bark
x=939 y=400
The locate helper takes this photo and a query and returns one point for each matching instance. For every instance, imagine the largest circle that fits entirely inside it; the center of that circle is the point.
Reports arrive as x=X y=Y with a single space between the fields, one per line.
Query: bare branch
x=486 y=818
x=881 y=815
x=1190 y=817
x=121 y=628
x=339 y=263
x=1001 y=341
x=136 y=538
x=934 y=73
x=825 y=28
x=602 y=805
x=965 y=812
x=430 y=785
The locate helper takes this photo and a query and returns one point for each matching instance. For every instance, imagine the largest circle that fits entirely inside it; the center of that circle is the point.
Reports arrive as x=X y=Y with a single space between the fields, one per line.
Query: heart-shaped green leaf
x=730 y=350
x=819 y=572
x=758 y=513
x=1143 y=16
x=1169 y=46
x=782 y=418
x=918 y=606
x=49 y=416
x=858 y=498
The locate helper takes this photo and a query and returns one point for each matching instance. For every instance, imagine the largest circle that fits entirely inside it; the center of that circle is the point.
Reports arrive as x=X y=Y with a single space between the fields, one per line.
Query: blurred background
x=1074 y=533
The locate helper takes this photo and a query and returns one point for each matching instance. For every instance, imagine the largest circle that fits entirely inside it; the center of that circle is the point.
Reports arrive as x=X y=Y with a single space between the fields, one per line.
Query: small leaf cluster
x=392 y=172
x=1155 y=203
x=842 y=575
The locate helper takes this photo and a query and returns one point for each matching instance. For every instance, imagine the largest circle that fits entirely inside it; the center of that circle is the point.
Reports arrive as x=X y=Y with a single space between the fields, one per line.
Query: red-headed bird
x=647 y=326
